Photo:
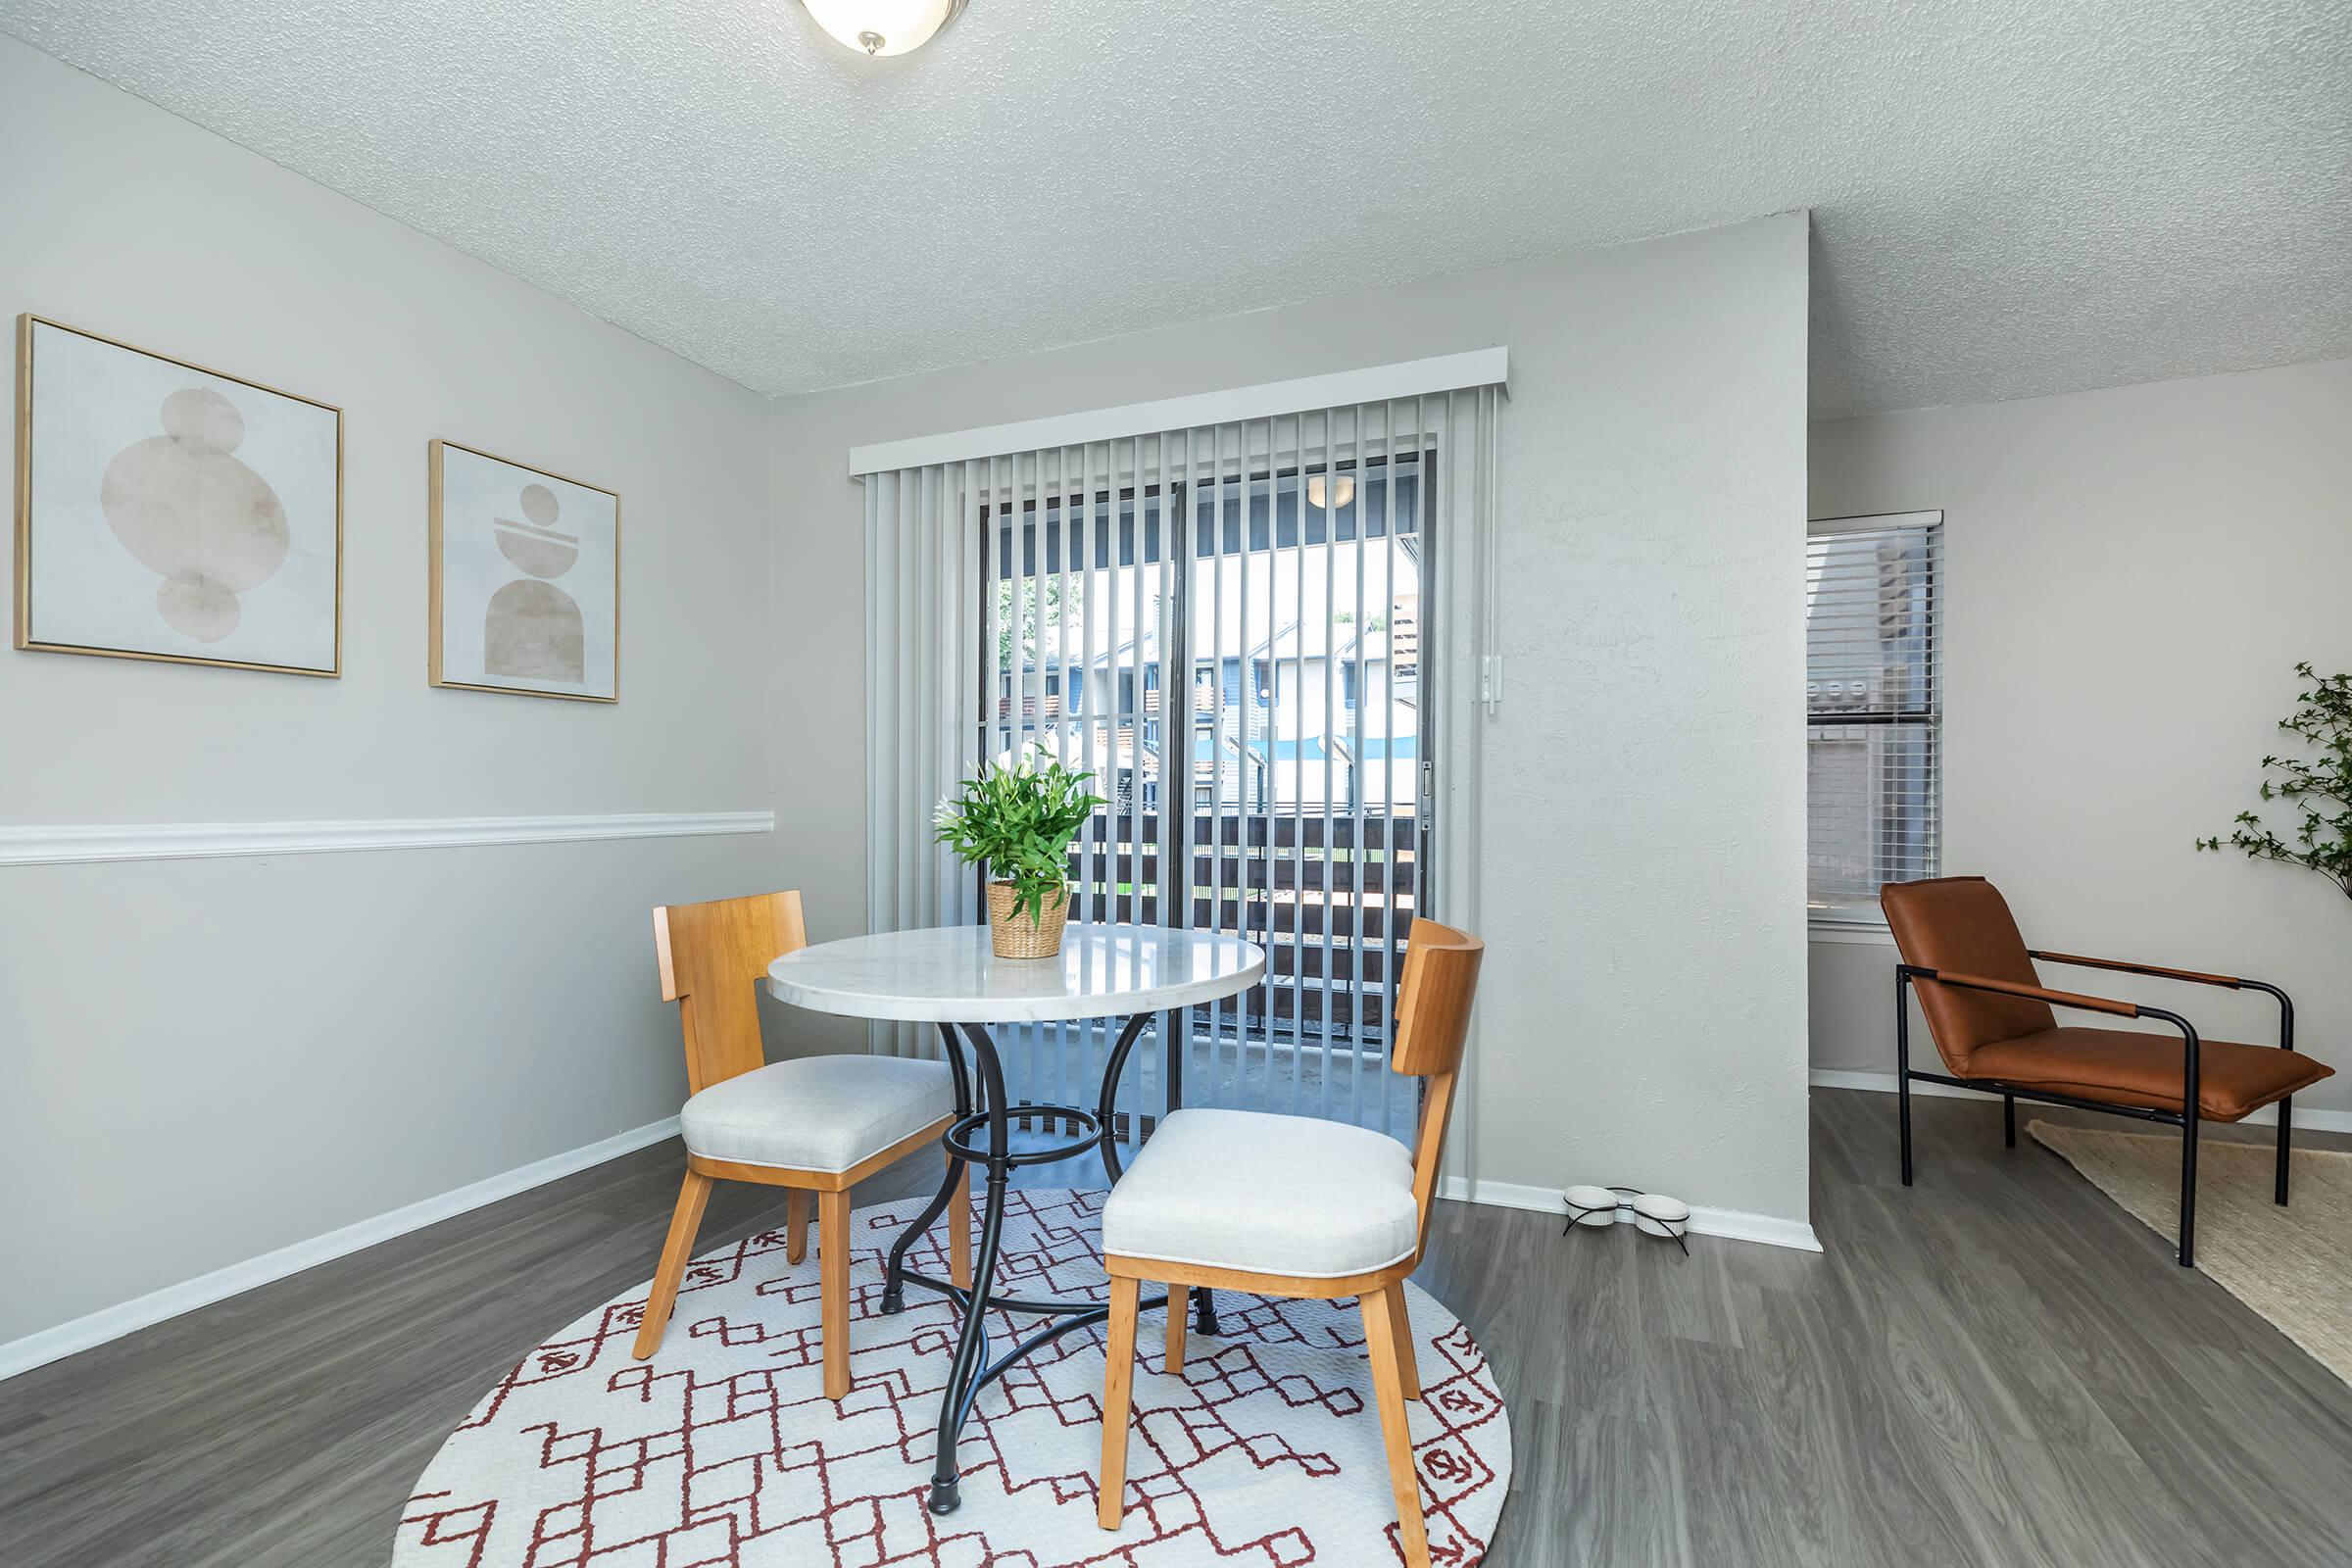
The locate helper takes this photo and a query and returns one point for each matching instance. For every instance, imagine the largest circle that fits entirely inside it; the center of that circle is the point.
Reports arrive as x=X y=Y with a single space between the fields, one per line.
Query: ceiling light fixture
x=884 y=26
x=1320 y=491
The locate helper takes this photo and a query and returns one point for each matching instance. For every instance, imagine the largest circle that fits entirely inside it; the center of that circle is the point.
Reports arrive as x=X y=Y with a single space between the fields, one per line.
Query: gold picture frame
x=532 y=546
x=28 y=527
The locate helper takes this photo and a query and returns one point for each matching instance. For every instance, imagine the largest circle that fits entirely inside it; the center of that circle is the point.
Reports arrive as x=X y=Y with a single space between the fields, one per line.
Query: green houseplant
x=1016 y=823
x=2321 y=789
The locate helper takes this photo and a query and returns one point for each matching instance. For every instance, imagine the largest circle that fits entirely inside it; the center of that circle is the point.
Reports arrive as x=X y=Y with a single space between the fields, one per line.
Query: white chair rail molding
x=80 y=843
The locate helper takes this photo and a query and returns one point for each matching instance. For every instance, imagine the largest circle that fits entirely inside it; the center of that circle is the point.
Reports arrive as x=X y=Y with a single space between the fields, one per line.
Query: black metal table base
x=972 y=1370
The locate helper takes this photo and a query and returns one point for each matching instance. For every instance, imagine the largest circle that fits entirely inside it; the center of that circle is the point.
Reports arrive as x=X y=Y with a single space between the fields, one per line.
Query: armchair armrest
x=2126 y=966
x=2286 y=1004
x=2012 y=988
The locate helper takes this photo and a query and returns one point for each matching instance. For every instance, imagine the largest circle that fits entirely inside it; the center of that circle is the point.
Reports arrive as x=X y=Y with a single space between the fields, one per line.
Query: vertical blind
x=922 y=552
x=1873 y=607
x=1234 y=626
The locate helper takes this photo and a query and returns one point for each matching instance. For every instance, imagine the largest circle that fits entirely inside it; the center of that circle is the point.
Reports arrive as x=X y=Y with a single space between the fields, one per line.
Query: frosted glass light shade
x=883 y=26
x=1324 y=493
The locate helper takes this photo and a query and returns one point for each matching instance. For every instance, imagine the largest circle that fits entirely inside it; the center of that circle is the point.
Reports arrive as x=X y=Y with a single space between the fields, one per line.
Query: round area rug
x=723 y=1449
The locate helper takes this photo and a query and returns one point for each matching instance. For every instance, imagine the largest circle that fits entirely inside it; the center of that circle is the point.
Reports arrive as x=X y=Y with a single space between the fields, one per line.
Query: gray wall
x=1644 y=1007
x=2133 y=576
x=204 y=1061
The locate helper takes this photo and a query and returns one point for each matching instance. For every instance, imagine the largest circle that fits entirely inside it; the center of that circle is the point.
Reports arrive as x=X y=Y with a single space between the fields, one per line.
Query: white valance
x=1238 y=405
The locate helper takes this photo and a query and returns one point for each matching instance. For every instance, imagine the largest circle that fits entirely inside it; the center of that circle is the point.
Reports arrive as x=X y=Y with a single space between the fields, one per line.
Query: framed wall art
x=526 y=579
x=170 y=512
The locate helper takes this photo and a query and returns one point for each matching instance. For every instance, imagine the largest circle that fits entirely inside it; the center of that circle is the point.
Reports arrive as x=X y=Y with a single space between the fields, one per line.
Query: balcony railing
x=1331 y=902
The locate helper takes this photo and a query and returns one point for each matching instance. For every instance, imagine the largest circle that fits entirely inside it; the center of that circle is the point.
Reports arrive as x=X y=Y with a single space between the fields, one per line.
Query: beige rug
x=2293 y=1265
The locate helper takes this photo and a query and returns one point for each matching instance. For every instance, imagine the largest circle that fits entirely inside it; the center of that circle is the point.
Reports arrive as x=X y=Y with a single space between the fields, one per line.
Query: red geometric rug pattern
x=1264 y=1451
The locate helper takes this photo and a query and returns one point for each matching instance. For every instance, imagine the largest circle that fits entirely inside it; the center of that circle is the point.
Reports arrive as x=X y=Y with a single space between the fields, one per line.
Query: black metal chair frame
x=2187 y=1118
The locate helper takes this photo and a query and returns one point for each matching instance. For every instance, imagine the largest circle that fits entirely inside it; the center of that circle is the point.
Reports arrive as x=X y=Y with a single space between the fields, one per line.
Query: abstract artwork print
x=526 y=592
x=169 y=511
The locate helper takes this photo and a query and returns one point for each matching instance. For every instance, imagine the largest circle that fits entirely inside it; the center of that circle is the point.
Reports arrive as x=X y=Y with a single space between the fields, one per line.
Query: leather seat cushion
x=2128 y=1067
x=1267 y=1195
x=821 y=1113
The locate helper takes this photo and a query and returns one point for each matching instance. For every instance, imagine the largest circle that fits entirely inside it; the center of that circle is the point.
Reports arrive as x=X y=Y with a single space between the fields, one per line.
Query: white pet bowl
x=1599 y=1200
x=1660 y=1215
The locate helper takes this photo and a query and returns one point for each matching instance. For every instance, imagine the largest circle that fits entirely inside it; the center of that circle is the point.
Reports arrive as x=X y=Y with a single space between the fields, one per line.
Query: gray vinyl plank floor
x=1996 y=1366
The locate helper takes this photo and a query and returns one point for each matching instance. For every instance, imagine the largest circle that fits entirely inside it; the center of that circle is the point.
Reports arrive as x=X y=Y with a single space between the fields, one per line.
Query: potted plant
x=2319 y=789
x=1016 y=823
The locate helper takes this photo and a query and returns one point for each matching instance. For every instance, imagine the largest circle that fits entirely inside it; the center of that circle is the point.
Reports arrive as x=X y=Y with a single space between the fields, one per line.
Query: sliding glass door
x=1228 y=628
x=1302 y=618
x=1077 y=603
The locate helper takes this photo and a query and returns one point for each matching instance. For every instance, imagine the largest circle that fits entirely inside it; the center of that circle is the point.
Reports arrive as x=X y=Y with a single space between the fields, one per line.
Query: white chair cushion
x=818 y=1112
x=1270 y=1195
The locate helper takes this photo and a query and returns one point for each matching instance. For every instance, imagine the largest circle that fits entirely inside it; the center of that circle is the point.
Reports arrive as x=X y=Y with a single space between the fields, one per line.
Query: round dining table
x=948 y=977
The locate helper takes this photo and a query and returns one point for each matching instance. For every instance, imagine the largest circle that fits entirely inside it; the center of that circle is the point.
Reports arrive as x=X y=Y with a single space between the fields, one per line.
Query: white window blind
x=1873 y=629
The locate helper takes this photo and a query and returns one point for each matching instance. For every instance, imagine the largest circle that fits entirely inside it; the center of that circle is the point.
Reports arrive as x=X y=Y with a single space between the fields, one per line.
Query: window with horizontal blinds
x=1874 y=631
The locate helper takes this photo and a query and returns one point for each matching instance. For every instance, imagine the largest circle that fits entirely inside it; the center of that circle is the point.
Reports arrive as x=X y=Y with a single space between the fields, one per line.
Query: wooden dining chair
x=813 y=1124
x=1295 y=1206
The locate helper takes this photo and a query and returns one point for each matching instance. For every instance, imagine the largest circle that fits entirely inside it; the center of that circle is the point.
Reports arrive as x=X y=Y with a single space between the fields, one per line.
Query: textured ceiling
x=2010 y=197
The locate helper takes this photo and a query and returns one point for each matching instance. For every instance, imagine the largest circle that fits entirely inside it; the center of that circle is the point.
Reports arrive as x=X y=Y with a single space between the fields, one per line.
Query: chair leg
x=1902 y=1064
x=676 y=1252
x=2009 y=1120
x=2286 y=1120
x=795 y=1224
x=2189 y=1188
x=1177 y=1297
x=1395 y=1430
x=1118 y=1390
x=833 y=1288
x=1902 y=1112
x=960 y=1229
x=1408 y=1360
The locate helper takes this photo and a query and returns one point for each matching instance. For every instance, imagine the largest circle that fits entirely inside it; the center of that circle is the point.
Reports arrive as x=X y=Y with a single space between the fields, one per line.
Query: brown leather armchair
x=1990 y=1019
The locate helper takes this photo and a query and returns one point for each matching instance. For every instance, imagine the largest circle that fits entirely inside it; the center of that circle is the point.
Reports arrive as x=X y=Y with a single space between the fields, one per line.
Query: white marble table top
x=947 y=975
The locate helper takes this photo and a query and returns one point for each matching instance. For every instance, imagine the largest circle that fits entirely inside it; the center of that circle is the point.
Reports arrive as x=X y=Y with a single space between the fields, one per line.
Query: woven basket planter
x=1012 y=934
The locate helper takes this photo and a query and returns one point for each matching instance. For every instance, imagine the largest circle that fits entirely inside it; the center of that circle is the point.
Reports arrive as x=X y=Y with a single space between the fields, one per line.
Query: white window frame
x=1830 y=926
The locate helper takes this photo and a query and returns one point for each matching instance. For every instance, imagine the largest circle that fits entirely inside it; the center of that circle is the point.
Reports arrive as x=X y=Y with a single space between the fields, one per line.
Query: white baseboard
x=112 y=1323
x=1733 y=1224
x=1739 y=1225
x=1882 y=1082
x=2324 y=1121
x=74 y=844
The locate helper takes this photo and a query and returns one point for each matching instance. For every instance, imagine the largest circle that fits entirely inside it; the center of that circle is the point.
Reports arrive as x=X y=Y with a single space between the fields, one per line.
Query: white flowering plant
x=1016 y=822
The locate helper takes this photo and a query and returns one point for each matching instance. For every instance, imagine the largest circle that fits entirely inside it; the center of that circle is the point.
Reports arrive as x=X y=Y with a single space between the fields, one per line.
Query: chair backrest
x=712 y=957
x=1963 y=924
x=1433 y=1023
